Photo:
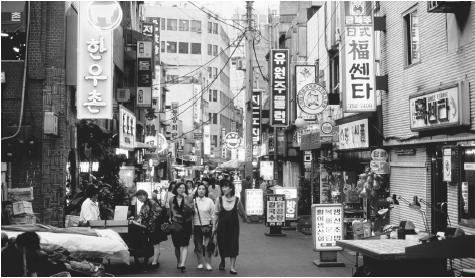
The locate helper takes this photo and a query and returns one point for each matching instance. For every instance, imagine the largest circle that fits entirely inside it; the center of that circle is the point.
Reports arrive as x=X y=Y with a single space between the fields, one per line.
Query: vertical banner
x=256 y=116
x=358 y=53
x=280 y=88
x=290 y=200
x=223 y=143
x=327 y=226
x=144 y=73
x=206 y=139
x=275 y=210
x=95 y=67
x=304 y=74
x=254 y=202
x=155 y=38
x=174 y=125
x=127 y=123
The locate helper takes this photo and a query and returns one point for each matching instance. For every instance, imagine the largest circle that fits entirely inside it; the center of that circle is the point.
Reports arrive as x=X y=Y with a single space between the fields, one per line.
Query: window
x=184 y=25
x=215 y=72
x=196 y=26
x=411 y=37
x=162 y=47
x=213 y=95
x=215 y=140
x=213 y=118
x=210 y=27
x=215 y=50
x=210 y=49
x=215 y=28
x=171 y=24
x=171 y=47
x=162 y=23
x=334 y=95
x=195 y=48
x=183 y=47
x=467 y=188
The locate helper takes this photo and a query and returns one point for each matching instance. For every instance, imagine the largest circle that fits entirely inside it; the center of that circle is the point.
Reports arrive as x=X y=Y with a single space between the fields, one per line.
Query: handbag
x=205 y=230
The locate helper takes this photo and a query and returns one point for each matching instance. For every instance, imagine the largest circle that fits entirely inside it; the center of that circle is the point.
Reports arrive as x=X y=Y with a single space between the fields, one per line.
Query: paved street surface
x=259 y=256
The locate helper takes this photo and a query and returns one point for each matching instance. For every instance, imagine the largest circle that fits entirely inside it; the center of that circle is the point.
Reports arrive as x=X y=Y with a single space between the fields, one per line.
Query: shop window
x=195 y=48
x=171 y=24
x=215 y=28
x=183 y=47
x=162 y=23
x=210 y=27
x=411 y=37
x=196 y=26
x=467 y=188
x=162 y=46
x=184 y=25
x=171 y=47
x=210 y=49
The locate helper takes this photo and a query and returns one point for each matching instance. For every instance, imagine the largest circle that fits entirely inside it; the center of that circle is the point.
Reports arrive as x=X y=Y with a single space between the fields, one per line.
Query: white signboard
x=327 y=226
x=267 y=169
x=232 y=140
x=358 y=51
x=94 y=64
x=207 y=139
x=353 y=135
x=291 y=201
x=144 y=97
x=304 y=74
x=144 y=49
x=447 y=165
x=254 y=202
x=127 y=124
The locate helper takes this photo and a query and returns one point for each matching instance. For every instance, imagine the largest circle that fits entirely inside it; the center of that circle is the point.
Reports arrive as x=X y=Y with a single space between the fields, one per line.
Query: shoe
x=200 y=266
x=208 y=267
x=182 y=268
x=221 y=266
x=177 y=267
x=155 y=266
x=233 y=272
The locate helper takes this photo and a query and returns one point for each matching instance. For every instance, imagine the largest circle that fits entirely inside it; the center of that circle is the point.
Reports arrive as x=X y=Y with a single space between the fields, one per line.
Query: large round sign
x=232 y=140
x=104 y=15
x=326 y=128
x=379 y=155
x=312 y=98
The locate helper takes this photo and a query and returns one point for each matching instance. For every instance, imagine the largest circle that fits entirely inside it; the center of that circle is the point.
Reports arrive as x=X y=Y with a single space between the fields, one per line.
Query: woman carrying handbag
x=203 y=224
x=181 y=213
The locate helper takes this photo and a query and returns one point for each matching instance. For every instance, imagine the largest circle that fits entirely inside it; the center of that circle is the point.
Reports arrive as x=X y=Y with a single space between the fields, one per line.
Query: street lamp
x=300 y=123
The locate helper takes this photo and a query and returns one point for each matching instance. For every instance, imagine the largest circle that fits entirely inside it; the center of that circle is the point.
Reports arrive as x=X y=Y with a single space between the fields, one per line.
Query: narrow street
x=260 y=255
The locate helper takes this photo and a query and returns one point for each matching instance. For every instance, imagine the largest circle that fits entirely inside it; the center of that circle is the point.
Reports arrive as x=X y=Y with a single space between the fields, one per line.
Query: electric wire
x=209 y=13
x=257 y=60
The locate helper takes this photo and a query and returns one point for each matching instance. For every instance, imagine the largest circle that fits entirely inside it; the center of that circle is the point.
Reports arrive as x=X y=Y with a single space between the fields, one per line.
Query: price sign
x=275 y=210
x=254 y=202
x=291 y=201
x=327 y=226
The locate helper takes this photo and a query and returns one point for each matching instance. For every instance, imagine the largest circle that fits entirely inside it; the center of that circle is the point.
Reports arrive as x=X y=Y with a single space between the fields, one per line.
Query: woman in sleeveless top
x=227 y=209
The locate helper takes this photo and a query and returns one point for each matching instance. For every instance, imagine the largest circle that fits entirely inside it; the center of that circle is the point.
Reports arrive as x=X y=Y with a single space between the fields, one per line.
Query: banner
x=95 y=67
x=353 y=135
x=359 y=91
x=254 y=202
x=174 y=125
x=256 y=116
x=280 y=88
x=275 y=210
x=267 y=169
x=127 y=123
x=290 y=200
x=327 y=226
x=304 y=74
x=206 y=139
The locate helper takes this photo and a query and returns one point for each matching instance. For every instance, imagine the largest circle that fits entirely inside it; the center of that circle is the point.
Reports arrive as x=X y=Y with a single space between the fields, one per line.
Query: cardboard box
x=24 y=219
x=22 y=207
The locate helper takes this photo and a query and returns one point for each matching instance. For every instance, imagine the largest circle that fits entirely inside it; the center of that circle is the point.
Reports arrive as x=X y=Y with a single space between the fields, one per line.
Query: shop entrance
x=439 y=191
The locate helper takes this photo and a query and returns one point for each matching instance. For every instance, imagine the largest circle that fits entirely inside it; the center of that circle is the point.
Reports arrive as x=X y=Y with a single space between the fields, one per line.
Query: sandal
x=233 y=272
x=221 y=266
x=209 y=267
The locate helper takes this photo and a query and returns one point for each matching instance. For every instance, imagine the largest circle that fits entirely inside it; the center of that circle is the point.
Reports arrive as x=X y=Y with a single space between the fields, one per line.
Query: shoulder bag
x=205 y=230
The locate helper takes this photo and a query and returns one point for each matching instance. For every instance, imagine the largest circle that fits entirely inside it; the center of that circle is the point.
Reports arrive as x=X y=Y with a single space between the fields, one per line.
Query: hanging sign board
x=127 y=123
x=275 y=210
x=206 y=139
x=256 y=116
x=358 y=69
x=291 y=201
x=327 y=226
x=353 y=135
x=304 y=74
x=267 y=169
x=279 y=87
x=254 y=202
x=232 y=141
x=95 y=67
x=312 y=99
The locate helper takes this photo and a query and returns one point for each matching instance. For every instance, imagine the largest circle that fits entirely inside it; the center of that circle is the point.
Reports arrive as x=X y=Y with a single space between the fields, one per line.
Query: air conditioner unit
x=123 y=95
x=51 y=123
x=446 y=6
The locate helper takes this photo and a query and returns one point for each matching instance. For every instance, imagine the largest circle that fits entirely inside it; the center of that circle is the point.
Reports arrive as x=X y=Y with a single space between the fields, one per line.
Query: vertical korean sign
x=275 y=210
x=94 y=95
x=280 y=88
x=327 y=226
x=256 y=120
x=144 y=73
x=206 y=139
x=127 y=123
x=254 y=202
x=358 y=52
x=291 y=201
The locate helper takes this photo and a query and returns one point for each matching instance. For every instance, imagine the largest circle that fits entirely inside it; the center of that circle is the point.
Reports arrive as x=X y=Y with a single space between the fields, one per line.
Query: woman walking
x=227 y=209
x=203 y=224
x=182 y=213
x=214 y=190
x=151 y=217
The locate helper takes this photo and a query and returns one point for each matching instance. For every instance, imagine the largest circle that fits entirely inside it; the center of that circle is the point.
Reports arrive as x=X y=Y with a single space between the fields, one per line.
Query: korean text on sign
x=280 y=87
x=328 y=228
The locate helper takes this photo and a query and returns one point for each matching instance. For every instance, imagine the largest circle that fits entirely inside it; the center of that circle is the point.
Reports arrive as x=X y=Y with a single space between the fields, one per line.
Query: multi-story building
x=195 y=49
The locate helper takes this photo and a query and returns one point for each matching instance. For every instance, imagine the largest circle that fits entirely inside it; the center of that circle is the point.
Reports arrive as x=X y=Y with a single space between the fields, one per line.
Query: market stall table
x=387 y=257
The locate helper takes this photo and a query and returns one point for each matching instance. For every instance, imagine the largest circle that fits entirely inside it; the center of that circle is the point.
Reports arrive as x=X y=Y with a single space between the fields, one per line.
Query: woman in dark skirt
x=181 y=209
x=151 y=217
x=227 y=209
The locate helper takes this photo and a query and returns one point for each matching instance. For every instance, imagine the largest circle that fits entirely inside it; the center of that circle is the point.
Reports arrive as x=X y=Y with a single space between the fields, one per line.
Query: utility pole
x=249 y=86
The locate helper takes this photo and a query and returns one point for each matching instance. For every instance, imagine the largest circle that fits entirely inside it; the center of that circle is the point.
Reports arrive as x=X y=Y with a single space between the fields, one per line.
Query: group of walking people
x=206 y=209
